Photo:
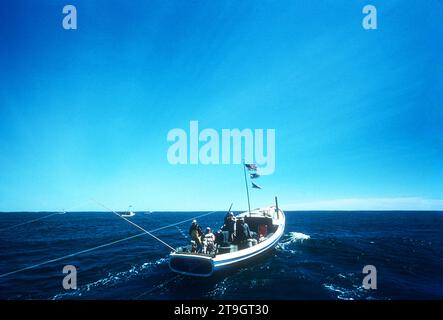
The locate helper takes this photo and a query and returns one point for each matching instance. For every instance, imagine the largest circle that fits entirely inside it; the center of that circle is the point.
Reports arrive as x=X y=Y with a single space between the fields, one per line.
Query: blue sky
x=85 y=113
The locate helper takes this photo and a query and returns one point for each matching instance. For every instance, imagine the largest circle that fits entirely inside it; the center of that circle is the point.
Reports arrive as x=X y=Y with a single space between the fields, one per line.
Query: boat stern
x=191 y=264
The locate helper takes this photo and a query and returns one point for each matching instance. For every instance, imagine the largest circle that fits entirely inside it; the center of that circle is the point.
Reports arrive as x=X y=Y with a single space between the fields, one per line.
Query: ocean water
x=321 y=256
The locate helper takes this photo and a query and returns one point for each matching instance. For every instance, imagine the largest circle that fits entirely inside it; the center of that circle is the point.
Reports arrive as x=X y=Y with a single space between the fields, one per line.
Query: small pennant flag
x=255 y=186
x=251 y=167
x=254 y=175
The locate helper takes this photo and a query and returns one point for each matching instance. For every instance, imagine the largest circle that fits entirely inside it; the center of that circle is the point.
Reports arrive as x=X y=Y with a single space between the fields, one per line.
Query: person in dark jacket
x=243 y=232
x=228 y=217
x=230 y=225
x=232 y=228
x=195 y=232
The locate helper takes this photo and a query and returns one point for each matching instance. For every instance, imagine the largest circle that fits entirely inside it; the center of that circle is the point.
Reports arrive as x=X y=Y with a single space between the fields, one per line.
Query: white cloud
x=401 y=203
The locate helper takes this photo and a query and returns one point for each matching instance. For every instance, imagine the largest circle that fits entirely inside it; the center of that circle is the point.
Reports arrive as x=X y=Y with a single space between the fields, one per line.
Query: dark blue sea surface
x=321 y=256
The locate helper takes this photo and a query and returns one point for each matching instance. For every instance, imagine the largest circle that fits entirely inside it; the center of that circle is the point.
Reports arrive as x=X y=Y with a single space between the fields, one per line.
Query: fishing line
x=41 y=218
x=101 y=246
x=30 y=221
x=182 y=232
x=181 y=222
x=69 y=255
x=135 y=225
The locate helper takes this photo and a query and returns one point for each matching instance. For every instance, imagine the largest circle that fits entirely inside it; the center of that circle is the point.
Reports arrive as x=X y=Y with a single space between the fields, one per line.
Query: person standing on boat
x=195 y=232
x=230 y=225
x=243 y=232
x=208 y=241
x=227 y=217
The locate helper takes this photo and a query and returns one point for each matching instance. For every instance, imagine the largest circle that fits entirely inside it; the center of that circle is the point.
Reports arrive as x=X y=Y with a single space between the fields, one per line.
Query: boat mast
x=247 y=189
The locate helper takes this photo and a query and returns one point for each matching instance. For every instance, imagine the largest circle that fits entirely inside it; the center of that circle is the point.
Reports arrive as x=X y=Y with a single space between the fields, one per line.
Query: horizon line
x=241 y=211
x=340 y=204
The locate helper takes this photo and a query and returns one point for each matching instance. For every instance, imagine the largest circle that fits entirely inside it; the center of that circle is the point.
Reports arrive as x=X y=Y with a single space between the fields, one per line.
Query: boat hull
x=191 y=265
x=226 y=262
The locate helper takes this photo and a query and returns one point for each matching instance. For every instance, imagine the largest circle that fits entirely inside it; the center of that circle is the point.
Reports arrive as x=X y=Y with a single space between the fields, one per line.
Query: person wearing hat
x=228 y=216
x=231 y=226
x=195 y=232
x=208 y=241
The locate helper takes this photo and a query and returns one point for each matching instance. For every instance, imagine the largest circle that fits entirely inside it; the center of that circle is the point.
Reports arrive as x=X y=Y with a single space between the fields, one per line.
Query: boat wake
x=219 y=289
x=290 y=239
x=112 y=279
x=347 y=286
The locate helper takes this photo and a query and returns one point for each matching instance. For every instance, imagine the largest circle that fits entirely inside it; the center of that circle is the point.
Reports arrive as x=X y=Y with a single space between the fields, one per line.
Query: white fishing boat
x=128 y=213
x=269 y=225
x=265 y=227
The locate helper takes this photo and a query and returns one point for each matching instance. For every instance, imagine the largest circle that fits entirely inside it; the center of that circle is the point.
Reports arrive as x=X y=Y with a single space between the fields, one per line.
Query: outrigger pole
x=247 y=188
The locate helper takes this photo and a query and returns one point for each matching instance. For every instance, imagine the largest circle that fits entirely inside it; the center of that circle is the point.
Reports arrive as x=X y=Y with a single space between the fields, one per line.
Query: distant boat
x=128 y=213
x=268 y=223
